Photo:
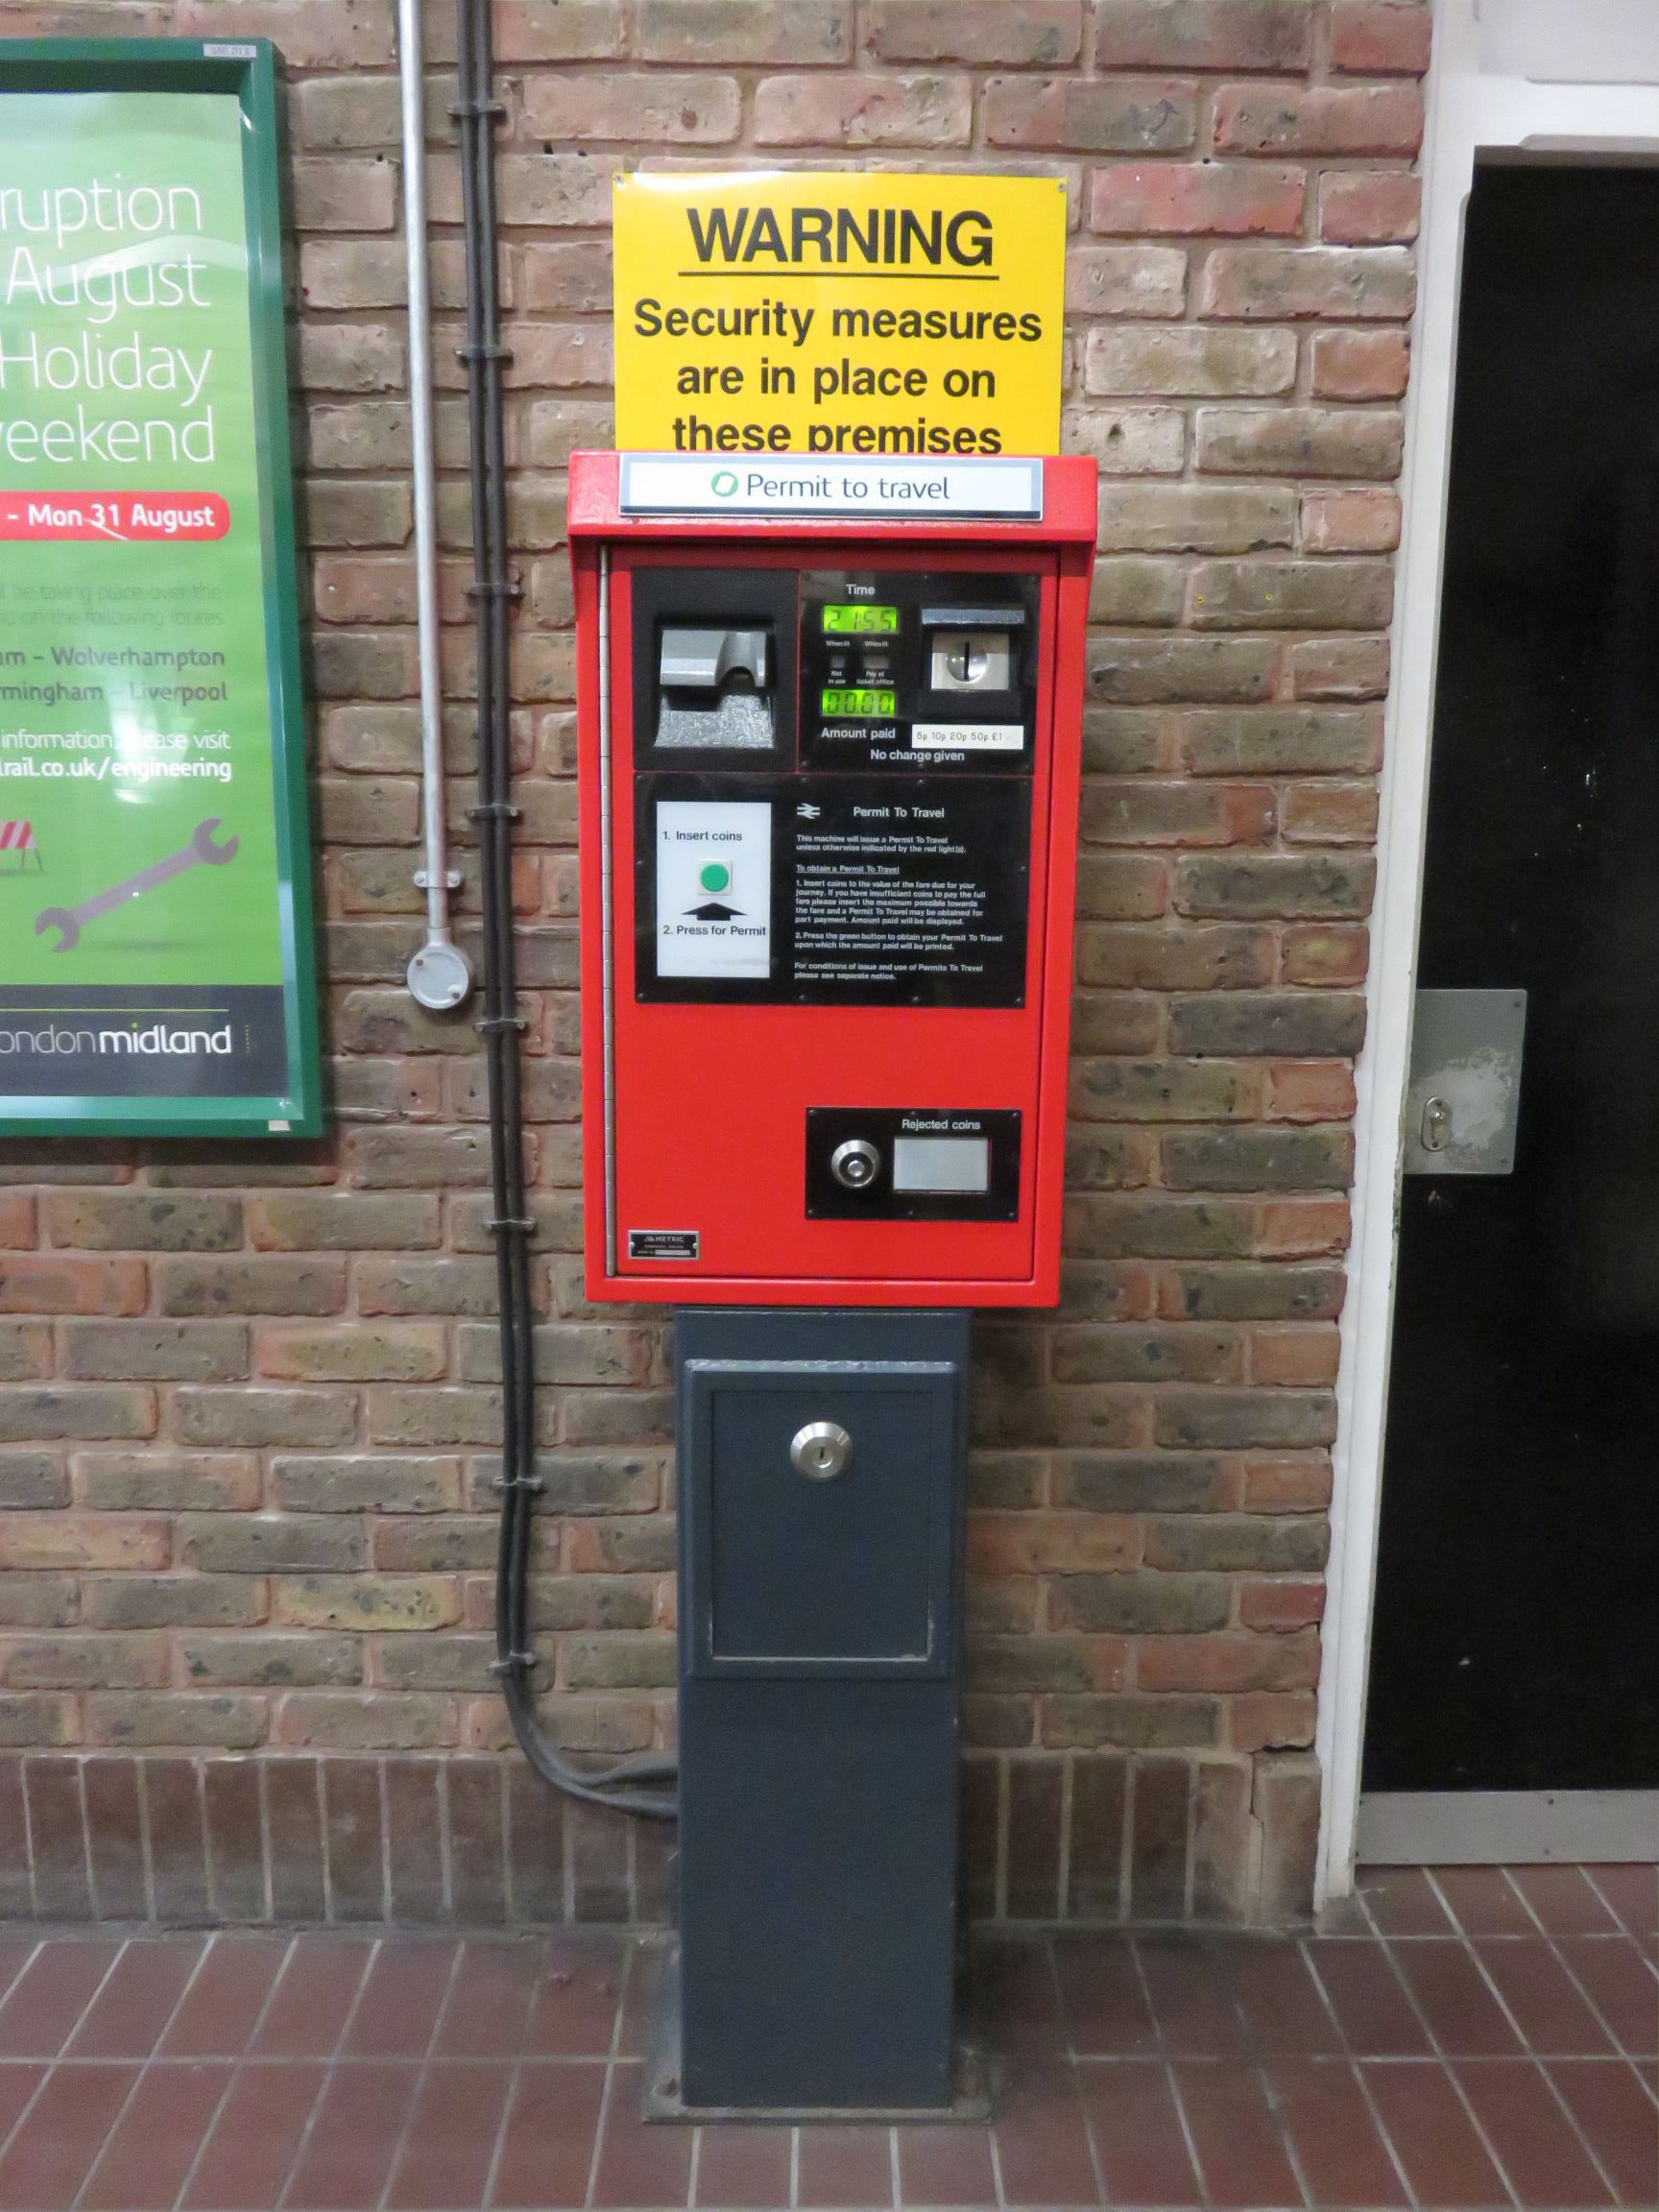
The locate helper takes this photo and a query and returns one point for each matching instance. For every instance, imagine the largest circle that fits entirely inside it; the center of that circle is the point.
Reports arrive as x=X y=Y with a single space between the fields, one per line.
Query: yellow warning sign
x=838 y=312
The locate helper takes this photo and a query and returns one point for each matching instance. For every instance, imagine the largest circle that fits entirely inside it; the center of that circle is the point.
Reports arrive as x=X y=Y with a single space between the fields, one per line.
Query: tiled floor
x=1467 y=2039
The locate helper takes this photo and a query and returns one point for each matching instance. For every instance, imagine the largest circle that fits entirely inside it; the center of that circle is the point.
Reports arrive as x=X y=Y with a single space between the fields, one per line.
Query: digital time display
x=862 y=704
x=860 y=621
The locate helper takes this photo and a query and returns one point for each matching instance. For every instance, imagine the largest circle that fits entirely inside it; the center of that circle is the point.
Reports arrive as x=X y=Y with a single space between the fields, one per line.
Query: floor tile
x=45 y=2002
x=1619 y=2120
x=1103 y=1999
x=1041 y=2139
x=1139 y=2138
x=255 y=2139
x=61 y=2136
x=573 y=2014
x=1540 y=1994
x=218 y=2011
x=1633 y=1893
x=646 y=1963
x=546 y=2151
x=139 y=1997
x=1272 y=1984
x=742 y=2166
x=1016 y=1994
x=1401 y=1901
x=1464 y=2017
x=1196 y=2016
x=1484 y=1901
x=1235 y=2135
x=638 y=2164
x=449 y=2146
x=398 y=2008
x=355 y=2131
x=487 y=2008
x=946 y=2165
x=1564 y=1902
x=1530 y=2134
x=154 y=2145
x=1377 y=2017
x=19 y=2079
x=1434 y=2137
x=15 y=1953
x=845 y=2166
x=1322 y=2109
x=1622 y=1985
x=312 y=2000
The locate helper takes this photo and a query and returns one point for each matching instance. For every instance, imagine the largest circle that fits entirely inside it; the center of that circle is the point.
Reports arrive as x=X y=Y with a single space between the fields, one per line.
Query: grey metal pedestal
x=821 y=1495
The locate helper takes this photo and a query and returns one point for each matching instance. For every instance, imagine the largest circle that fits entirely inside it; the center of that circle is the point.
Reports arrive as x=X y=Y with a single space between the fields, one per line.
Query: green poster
x=155 y=970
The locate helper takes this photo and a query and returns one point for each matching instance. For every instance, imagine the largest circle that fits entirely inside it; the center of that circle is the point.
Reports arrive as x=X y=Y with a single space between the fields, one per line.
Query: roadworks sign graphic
x=840 y=313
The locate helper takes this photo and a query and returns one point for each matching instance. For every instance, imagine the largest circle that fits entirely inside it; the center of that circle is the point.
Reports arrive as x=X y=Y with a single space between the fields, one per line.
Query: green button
x=716 y=876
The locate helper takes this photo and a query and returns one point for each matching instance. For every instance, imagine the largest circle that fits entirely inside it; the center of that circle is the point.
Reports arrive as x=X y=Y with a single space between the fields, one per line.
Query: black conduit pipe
x=626 y=1783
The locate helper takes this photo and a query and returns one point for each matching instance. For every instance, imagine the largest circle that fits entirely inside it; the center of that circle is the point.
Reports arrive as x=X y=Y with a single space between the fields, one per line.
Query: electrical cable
x=625 y=1783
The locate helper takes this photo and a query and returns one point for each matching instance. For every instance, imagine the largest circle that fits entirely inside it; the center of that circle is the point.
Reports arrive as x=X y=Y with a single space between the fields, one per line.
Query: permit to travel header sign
x=840 y=313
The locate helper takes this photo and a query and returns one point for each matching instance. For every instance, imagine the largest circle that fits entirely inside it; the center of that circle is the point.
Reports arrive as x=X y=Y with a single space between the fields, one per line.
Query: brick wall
x=245 y=1401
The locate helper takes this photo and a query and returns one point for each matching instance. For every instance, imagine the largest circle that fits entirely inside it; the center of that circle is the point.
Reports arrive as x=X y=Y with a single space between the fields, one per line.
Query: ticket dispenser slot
x=712 y=689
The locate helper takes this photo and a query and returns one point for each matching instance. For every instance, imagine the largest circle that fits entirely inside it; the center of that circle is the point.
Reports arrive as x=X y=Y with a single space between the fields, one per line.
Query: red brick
x=557 y=30
x=1374 y=37
x=1318 y=119
x=54 y=1283
x=1298 y=1357
x=1224 y=199
x=646 y=106
x=850 y=112
x=1369 y=207
x=1228 y=1664
x=1271 y=1720
x=1286 y=1485
x=799 y=33
x=1359 y=364
x=1344 y=521
x=1296 y=1228
x=1036 y=35
x=1132 y=115
x=1280 y=1606
x=1204 y=35
x=83 y=1540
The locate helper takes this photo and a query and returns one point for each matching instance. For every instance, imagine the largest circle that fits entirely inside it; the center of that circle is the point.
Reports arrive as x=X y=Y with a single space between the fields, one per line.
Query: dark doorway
x=1516 y=1643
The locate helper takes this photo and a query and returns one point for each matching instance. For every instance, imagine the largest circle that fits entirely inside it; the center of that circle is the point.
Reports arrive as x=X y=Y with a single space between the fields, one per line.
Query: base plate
x=660 y=2100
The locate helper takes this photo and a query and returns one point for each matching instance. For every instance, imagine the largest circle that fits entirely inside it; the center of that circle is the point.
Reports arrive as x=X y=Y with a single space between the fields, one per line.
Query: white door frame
x=1468 y=113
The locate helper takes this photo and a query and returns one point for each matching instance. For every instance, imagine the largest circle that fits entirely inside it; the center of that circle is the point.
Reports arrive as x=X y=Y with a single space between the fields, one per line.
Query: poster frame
x=249 y=68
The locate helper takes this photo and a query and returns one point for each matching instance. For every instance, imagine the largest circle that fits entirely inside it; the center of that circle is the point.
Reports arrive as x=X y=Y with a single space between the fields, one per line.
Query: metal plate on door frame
x=1463 y=1099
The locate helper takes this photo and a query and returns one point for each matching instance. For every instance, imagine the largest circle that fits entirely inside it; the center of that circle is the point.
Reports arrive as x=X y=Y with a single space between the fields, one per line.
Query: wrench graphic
x=67 y=920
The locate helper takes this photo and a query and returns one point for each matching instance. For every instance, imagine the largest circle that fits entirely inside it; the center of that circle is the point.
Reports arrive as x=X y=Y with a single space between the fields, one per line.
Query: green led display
x=860 y=621
x=862 y=705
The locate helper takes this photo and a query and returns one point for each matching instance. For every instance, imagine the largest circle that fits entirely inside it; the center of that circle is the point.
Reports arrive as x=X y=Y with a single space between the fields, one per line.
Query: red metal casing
x=694 y=1115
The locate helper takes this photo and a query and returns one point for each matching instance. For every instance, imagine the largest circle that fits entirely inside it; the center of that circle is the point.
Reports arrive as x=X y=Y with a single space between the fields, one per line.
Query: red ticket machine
x=829 y=732
x=830 y=719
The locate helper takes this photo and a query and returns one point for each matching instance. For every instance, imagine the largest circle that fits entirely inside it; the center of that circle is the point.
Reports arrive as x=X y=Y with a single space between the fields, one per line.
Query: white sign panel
x=801 y=483
x=967 y=736
x=713 y=888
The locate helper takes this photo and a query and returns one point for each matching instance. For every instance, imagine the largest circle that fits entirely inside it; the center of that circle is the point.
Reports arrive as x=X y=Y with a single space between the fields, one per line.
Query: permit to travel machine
x=829 y=728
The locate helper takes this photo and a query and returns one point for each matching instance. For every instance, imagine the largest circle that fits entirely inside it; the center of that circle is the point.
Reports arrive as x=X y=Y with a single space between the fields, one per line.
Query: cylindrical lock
x=855 y=1164
x=821 y=1451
